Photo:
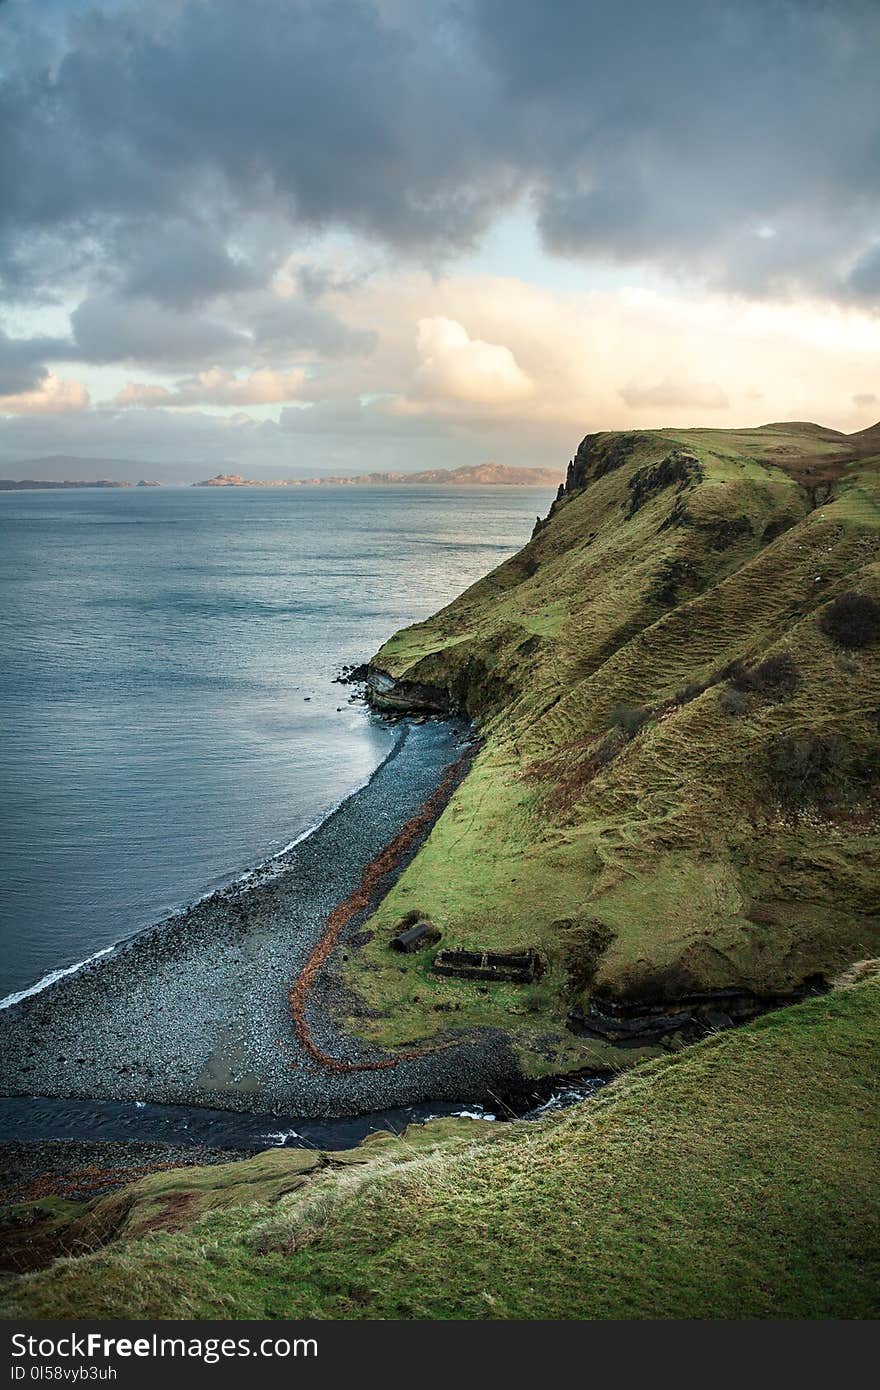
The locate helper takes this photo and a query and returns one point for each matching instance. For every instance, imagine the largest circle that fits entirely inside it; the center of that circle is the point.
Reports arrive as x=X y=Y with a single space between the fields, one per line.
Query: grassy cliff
x=678 y=685
x=738 y=1179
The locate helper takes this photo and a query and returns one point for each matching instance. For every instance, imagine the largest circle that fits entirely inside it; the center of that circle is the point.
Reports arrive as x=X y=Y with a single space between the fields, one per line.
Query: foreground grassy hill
x=678 y=685
x=738 y=1179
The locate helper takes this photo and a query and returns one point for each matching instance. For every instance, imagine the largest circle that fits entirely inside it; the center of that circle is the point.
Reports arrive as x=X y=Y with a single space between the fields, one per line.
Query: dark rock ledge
x=689 y=1018
x=393 y=696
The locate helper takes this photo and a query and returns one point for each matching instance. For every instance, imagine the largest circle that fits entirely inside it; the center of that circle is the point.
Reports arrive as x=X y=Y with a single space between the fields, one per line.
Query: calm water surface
x=169 y=717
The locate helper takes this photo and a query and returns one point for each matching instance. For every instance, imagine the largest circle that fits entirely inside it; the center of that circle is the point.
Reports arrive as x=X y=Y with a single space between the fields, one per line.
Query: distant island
x=474 y=475
x=78 y=471
x=29 y=484
x=480 y=475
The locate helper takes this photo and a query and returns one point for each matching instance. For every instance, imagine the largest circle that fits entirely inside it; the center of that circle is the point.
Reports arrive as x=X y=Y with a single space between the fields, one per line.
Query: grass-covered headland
x=676 y=802
x=678 y=685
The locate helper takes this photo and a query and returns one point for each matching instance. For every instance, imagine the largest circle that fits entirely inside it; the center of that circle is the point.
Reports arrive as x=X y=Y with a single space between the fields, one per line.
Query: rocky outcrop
x=678 y=469
x=599 y=454
x=691 y=1017
x=405 y=697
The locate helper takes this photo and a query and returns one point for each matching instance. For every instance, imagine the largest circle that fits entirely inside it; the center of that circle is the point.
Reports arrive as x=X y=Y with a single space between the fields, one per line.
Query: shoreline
x=260 y=874
x=194 y=1010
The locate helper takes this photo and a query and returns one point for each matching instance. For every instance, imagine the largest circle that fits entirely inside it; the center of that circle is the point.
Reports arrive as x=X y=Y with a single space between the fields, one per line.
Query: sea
x=169 y=713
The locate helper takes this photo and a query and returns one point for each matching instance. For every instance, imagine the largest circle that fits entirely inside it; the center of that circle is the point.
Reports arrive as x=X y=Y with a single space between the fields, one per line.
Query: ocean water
x=168 y=712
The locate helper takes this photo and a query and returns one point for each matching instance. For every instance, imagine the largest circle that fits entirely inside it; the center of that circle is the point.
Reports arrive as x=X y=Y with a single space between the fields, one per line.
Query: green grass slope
x=738 y=1179
x=719 y=838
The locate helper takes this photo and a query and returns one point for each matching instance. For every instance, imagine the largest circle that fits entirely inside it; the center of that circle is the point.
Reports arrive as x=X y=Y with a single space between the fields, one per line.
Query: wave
x=51 y=978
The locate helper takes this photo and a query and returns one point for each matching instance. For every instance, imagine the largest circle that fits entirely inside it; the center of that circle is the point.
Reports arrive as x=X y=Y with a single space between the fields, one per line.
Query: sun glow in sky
x=305 y=236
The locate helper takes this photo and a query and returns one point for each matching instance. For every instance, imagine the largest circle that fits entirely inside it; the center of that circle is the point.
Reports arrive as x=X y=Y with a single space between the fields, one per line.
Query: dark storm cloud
x=864 y=280
x=181 y=264
x=108 y=328
x=319 y=108
x=22 y=361
x=735 y=140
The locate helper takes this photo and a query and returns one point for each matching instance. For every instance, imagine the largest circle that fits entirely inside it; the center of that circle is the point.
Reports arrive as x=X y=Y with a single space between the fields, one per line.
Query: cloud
x=673 y=352
x=703 y=139
x=456 y=367
x=676 y=395
x=616 y=359
x=285 y=323
x=864 y=279
x=141 y=395
x=217 y=387
x=281 y=189
x=181 y=265
x=675 y=135
x=52 y=396
x=863 y=399
x=22 y=361
x=324 y=113
x=108 y=328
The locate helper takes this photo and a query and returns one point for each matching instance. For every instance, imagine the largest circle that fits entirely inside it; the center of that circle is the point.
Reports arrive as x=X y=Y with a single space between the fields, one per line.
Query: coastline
x=256 y=876
x=195 y=1010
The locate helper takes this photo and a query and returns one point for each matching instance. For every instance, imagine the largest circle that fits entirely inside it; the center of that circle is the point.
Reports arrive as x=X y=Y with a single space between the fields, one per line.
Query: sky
x=300 y=237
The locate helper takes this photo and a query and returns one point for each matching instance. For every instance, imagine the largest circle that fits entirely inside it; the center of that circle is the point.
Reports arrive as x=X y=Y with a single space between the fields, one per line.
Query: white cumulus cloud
x=53 y=396
x=454 y=366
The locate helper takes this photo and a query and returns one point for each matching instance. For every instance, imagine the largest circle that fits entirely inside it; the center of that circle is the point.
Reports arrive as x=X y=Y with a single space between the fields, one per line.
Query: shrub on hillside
x=809 y=767
x=777 y=676
x=605 y=752
x=852 y=620
x=690 y=692
x=733 y=701
x=629 y=719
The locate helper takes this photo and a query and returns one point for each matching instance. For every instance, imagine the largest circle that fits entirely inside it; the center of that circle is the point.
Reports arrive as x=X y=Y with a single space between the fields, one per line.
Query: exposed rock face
x=405 y=697
x=599 y=454
x=691 y=1017
x=679 y=470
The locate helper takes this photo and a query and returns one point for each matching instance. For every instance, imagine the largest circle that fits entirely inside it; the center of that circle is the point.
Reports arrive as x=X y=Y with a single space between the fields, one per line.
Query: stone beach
x=195 y=1011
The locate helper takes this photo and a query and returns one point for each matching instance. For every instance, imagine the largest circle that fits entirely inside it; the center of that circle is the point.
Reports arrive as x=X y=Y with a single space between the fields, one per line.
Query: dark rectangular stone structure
x=514 y=967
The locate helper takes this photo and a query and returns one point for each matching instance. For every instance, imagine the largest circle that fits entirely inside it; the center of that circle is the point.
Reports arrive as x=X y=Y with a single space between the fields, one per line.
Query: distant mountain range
x=480 y=475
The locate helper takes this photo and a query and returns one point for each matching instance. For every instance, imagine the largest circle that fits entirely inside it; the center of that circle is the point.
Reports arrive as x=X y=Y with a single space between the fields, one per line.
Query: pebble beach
x=195 y=1011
